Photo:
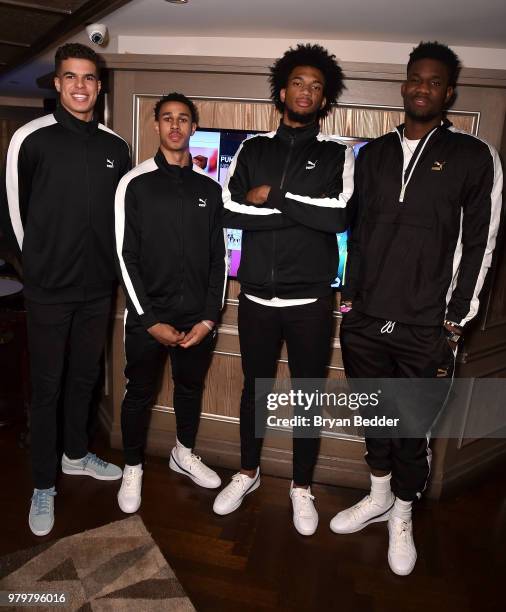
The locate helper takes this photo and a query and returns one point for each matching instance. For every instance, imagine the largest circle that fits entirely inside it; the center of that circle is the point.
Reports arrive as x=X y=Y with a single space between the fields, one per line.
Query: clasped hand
x=169 y=336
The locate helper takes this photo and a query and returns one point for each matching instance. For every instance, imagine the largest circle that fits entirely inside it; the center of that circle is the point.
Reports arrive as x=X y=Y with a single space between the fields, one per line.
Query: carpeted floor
x=116 y=567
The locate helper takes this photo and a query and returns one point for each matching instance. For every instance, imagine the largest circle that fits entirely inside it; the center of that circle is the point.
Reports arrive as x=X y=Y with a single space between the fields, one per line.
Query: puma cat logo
x=438 y=166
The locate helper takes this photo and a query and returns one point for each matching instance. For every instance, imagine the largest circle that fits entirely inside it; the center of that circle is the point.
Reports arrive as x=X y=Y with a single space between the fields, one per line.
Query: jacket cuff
x=276 y=199
x=211 y=314
x=148 y=319
x=347 y=295
x=451 y=315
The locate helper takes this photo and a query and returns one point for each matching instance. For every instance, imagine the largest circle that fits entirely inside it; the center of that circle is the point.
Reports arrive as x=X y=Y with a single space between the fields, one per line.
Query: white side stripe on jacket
x=347 y=190
x=236 y=207
x=119 y=225
x=11 y=174
x=495 y=217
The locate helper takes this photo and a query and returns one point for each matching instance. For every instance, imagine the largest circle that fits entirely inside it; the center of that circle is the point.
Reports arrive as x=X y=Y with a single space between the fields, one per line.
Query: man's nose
x=423 y=87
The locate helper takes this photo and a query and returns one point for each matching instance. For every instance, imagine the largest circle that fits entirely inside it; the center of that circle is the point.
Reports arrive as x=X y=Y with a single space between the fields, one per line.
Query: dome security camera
x=97 y=33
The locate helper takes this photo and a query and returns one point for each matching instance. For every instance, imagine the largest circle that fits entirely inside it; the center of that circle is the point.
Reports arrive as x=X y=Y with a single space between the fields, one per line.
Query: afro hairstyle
x=307 y=55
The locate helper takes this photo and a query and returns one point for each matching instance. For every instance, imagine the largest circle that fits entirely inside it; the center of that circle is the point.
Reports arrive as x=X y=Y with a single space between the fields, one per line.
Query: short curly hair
x=177 y=97
x=441 y=53
x=77 y=51
x=307 y=55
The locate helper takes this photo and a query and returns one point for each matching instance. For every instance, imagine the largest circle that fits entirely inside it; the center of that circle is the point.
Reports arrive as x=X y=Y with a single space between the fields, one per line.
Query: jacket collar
x=445 y=124
x=172 y=170
x=298 y=135
x=68 y=121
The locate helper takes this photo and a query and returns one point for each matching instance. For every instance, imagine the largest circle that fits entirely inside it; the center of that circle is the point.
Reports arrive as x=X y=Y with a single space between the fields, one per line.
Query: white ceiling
x=480 y=23
x=465 y=23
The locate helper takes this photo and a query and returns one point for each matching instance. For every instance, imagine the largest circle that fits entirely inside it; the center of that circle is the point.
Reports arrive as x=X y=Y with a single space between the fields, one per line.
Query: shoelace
x=304 y=498
x=195 y=459
x=41 y=500
x=359 y=508
x=92 y=458
x=190 y=461
x=402 y=537
x=130 y=479
x=235 y=483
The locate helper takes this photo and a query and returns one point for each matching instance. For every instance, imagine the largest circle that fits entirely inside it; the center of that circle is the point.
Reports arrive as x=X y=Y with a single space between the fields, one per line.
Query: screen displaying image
x=213 y=150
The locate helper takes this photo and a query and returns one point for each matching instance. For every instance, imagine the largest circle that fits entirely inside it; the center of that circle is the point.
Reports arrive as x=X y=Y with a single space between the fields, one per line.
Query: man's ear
x=194 y=128
x=450 y=92
x=324 y=101
x=157 y=128
x=282 y=94
x=57 y=84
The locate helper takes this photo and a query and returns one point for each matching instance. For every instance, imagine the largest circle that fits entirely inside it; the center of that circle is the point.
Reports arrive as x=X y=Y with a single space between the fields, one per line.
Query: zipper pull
x=403 y=191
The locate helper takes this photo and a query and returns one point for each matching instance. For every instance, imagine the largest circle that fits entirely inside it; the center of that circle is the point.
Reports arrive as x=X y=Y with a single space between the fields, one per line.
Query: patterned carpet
x=117 y=567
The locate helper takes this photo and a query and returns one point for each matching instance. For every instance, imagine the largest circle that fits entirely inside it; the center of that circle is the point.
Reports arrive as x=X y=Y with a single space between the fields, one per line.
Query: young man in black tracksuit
x=428 y=200
x=171 y=251
x=61 y=175
x=288 y=192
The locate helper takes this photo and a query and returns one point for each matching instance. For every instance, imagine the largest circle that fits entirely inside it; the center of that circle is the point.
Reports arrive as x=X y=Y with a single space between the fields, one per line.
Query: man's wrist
x=209 y=324
x=452 y=330
x=453 y=325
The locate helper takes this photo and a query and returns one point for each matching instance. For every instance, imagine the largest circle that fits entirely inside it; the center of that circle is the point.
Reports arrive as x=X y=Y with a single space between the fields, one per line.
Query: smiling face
x=78 y=85
x=175 y=127
x=426 y=91
x=303 y=96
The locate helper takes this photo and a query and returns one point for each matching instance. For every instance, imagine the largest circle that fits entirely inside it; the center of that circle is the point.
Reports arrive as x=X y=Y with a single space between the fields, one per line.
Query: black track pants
x=76 y=329
x=307 y=331
x=145 y=358
x=373 y=348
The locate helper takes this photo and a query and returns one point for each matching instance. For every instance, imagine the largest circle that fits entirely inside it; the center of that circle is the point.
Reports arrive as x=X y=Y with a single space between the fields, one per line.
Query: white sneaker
x=185 y=462
x=365 y=512
x=305 y=516
x=230 y=498
x=129 y=495
x=401 y=547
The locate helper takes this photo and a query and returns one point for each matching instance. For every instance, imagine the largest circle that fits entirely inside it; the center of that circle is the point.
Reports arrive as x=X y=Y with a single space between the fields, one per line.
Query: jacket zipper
x=281 y=184
x=405 y=175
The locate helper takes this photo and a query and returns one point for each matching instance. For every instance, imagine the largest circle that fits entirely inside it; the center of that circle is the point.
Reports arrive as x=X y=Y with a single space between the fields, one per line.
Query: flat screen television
x=213 y=150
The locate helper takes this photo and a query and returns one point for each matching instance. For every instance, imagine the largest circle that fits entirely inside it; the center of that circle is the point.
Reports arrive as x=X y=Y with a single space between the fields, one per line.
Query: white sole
x=254 y=487
x=380 y=519
x=72 y=472
x=175 y=467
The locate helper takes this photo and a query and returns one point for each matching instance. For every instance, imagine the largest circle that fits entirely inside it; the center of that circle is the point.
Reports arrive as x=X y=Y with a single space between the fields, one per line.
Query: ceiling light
x=177 y=1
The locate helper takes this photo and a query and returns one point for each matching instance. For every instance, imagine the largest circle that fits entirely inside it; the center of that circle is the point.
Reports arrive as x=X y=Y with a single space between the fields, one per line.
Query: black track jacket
x=420 y=255
x=57 y=201
x=170 y=243
x=289 y=246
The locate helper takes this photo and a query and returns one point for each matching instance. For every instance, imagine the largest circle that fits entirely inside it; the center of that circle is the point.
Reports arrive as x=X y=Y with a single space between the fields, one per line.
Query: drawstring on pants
x=388 y=328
